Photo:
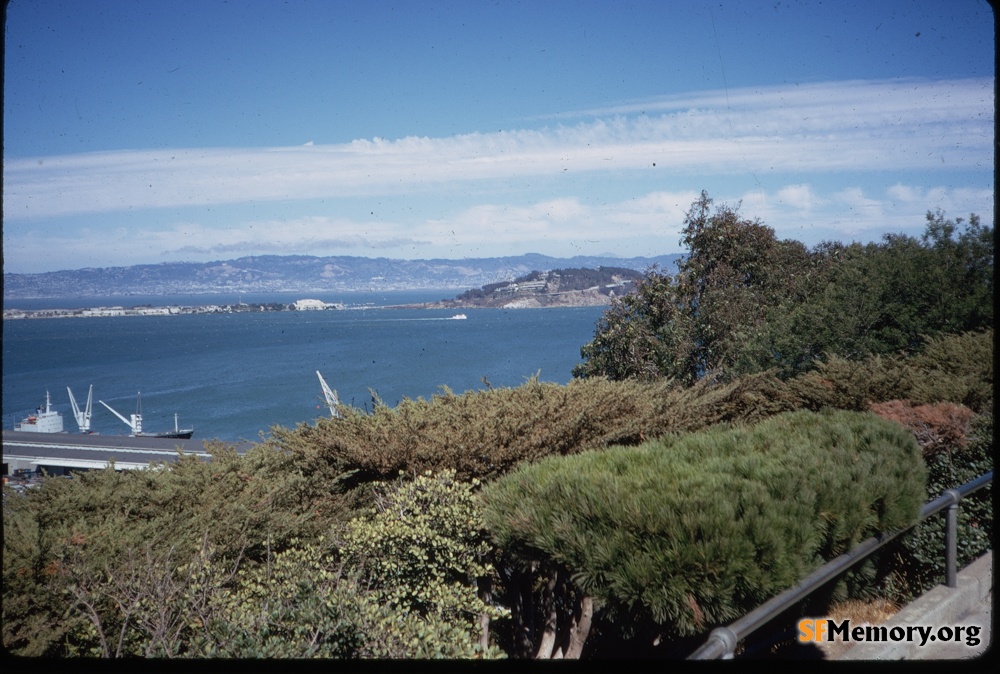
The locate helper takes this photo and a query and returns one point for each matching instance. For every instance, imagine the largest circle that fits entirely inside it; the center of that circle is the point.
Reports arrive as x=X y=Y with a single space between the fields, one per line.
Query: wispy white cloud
x=804 y=213
x=851 y=97
x=802 y=197
x=857 y=126
x=317 y=235
x=648 y=224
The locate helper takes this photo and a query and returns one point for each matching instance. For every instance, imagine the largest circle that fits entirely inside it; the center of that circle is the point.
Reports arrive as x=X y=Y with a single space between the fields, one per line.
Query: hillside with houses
x=557 y=287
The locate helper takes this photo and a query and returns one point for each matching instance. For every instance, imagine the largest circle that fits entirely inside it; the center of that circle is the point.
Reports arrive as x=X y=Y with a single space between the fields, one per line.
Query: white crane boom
x=331 y=396
x=135 y=424
x=82 y=418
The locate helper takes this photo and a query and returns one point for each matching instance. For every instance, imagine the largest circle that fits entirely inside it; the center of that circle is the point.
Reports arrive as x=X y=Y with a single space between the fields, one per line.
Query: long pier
x=61 y=453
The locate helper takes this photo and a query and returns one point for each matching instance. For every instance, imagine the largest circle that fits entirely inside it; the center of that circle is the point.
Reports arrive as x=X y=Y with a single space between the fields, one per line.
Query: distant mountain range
x=302 y=273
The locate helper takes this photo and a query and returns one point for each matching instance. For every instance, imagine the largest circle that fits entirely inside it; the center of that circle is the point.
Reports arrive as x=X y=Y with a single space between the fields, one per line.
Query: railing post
x=725 y=639
x=728 y=639
x=951 y=540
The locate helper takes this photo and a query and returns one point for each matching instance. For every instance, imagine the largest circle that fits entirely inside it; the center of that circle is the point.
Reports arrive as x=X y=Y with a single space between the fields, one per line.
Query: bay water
x=234 y=376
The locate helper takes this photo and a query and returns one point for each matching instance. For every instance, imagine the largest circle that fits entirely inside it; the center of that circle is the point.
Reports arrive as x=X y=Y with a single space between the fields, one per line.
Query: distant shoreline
x=576 y=298
x=170 y=310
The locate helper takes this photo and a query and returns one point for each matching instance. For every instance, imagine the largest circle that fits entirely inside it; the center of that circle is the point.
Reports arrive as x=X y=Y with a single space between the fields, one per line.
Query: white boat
x=458 y=317
x=45 y=420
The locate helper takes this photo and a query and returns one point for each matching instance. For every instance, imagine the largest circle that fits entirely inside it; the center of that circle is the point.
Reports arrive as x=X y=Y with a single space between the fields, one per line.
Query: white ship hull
x=44 y=420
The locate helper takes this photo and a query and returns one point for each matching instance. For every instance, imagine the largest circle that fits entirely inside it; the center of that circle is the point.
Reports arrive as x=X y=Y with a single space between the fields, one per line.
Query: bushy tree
x=958 y=447
x=424 y=552
x=691 y=531
x=950 y=368
x=961 y=281
x=891 y=296
x=743 y=302
x=708 y=319
x=87 y=560
x=643 y=335
x=736 y=270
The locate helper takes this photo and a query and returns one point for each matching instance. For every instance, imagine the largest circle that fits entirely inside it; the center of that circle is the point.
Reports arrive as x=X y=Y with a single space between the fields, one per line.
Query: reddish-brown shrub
x=937 y=427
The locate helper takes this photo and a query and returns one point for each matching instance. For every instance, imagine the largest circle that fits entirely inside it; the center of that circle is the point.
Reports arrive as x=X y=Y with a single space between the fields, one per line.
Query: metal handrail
x=722 y=641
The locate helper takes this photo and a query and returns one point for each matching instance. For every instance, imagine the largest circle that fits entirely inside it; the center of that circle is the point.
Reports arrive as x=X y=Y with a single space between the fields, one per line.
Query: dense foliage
x=484 y=434
x=76 y=551
x=82 y=556
x=953 y=368
x=221 y=560
x=691 y=531
x=957 y=446
x=696 y=467
x=744 y=302
x=424 y=553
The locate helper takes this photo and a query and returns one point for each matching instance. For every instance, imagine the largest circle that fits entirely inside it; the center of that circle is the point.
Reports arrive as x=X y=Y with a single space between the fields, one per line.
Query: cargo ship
x=135 y=423
x=44 y=420
x=47 y=420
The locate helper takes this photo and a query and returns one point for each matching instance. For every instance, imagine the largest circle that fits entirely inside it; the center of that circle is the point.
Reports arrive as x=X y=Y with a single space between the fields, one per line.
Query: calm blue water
x=231 y=376
x=351 y=298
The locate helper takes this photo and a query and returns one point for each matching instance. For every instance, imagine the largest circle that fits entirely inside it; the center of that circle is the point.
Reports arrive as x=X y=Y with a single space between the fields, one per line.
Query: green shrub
x=305 y=604
x=483 y=434
x=957 y=369
x=924 y=548
x=298 y=605
x=424 y=554
x=692 y=531
x=953 y=368
x=77 y=551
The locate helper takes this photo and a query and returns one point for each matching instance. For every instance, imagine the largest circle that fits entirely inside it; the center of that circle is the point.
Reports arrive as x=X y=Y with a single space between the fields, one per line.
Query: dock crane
x=331 y=397
x=135 y=423
x=82 y=418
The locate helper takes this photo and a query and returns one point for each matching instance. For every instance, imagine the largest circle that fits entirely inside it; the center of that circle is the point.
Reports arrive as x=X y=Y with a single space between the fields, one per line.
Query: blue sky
x=197 y=130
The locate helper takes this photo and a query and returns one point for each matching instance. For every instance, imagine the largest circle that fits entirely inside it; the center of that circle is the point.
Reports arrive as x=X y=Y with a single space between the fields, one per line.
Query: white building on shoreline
x=314 y=305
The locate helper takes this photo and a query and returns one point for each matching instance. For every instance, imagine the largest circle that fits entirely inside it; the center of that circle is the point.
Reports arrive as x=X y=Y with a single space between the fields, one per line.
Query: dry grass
x=862 y=611
x=858 y=611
